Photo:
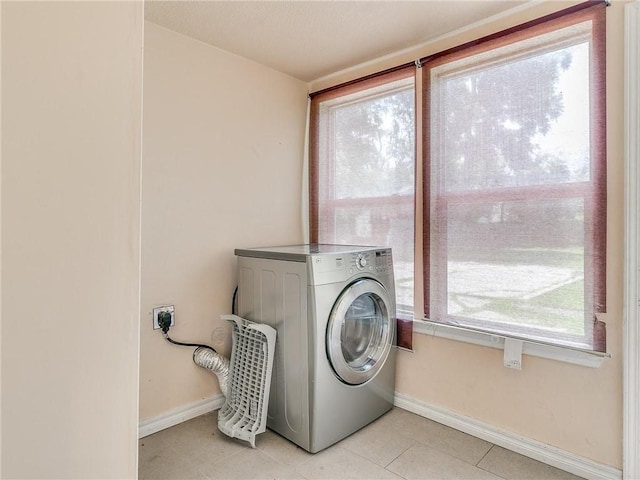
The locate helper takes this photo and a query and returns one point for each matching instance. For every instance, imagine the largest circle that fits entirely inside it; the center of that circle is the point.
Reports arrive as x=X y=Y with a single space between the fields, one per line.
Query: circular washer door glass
x=360 y=331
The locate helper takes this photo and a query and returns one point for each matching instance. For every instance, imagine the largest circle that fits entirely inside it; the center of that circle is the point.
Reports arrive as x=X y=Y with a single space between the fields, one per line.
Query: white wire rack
x=244 y=413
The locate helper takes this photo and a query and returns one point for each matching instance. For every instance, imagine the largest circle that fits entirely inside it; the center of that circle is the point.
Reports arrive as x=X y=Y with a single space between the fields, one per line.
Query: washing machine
x=333 y=307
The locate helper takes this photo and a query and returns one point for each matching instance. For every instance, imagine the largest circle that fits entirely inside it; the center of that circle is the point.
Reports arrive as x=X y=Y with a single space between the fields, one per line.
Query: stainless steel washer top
x=331 y=263
x=299 y=253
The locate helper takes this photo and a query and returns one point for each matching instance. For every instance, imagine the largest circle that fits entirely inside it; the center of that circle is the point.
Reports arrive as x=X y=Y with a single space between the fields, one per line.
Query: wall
x=223 y=146
x=71 y=118
x=577 y=409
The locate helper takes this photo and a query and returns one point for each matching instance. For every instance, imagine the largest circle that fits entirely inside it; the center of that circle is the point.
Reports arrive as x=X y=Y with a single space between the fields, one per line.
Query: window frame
x=595 y=232
x=404 y=328
x=366 y=83
x=593 y=10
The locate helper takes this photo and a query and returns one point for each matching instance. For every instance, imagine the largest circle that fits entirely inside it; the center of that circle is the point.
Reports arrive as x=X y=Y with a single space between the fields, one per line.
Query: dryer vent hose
x=211 y=360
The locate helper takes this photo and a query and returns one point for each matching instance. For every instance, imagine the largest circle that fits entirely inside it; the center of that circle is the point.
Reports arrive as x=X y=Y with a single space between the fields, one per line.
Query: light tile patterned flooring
x=399 y=445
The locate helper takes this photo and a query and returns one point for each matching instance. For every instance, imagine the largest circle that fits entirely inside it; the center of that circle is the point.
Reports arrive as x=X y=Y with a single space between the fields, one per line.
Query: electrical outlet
x=166 y=308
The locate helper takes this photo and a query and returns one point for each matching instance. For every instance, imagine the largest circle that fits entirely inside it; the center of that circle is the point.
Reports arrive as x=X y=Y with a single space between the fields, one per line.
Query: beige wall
x=577 y=409
x=222 y=169
x=71 y=105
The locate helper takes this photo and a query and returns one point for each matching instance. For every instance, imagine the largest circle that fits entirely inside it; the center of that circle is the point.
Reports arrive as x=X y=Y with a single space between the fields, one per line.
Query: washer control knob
x=361 y=262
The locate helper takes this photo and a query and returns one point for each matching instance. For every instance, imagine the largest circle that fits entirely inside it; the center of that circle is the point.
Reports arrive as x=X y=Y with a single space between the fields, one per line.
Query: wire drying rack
x=244 y=413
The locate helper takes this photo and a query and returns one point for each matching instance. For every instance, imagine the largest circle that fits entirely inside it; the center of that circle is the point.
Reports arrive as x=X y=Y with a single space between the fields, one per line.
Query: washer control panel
x=378 y=261
x=338 y=267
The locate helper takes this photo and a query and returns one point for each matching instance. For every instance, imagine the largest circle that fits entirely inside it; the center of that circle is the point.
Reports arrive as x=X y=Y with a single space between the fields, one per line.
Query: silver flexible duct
x=213 y=361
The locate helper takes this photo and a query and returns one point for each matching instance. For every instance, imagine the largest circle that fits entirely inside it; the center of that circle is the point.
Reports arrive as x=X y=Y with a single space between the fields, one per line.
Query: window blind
x=362 y=174
x=515 y=182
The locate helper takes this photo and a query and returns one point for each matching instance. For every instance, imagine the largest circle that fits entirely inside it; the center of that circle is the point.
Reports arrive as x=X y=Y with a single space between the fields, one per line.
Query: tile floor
x=399 y=445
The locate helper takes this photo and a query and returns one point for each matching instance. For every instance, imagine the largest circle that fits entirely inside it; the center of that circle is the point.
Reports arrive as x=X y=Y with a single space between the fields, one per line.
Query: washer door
x=360 y=331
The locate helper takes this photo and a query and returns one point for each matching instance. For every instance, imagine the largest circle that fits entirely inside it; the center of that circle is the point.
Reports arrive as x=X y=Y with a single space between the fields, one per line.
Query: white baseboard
x=553 y=456
x=179 y=415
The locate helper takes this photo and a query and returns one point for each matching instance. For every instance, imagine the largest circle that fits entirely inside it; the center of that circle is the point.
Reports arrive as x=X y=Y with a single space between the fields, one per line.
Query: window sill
x=553 y=352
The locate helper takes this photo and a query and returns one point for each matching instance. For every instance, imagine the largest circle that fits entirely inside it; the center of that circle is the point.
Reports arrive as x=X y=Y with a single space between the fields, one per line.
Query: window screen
x=514 y=190
x=363 y=171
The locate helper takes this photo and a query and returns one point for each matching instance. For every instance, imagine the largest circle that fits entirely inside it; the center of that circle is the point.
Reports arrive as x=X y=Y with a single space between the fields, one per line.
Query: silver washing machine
x=333 y=307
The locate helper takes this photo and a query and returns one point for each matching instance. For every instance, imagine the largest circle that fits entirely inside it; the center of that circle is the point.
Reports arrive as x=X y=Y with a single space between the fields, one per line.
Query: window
x=515 y=188
x=513 y=179
x=362 y=171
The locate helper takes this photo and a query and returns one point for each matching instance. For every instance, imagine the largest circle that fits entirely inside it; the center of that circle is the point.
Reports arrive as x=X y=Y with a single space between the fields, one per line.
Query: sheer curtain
x=362 y=173
x=515 y=201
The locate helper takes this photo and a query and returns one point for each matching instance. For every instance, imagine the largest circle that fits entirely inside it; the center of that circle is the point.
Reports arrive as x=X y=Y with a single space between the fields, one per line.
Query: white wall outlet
x=166 y=308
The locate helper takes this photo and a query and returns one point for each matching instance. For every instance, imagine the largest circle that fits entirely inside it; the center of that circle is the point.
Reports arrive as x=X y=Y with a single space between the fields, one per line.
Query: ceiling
x=312 y=39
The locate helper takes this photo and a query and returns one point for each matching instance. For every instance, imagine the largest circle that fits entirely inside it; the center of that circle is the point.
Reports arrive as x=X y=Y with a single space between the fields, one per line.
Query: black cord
x=187 y=344
x=234 y=300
